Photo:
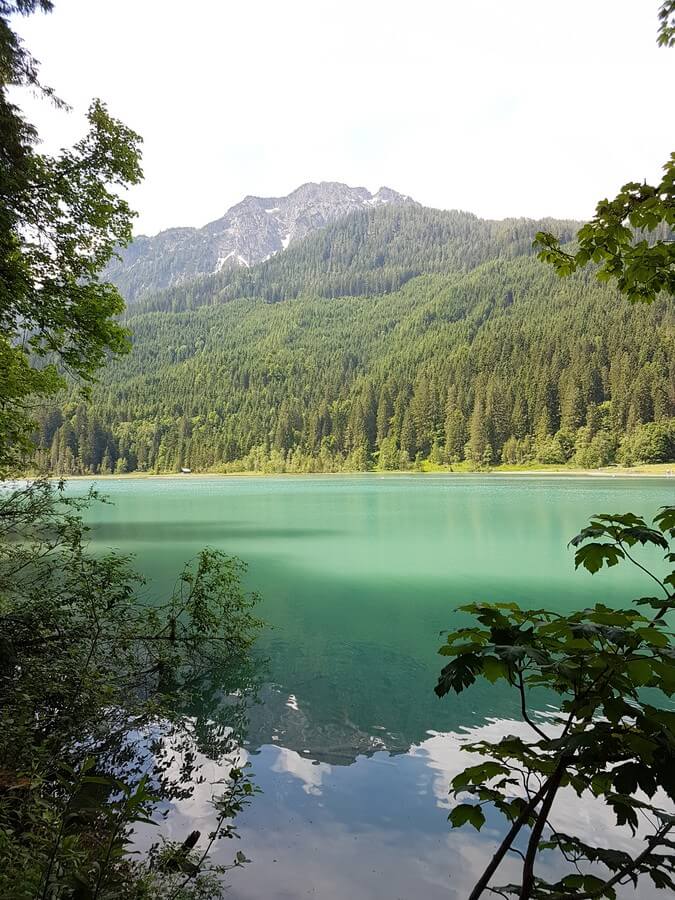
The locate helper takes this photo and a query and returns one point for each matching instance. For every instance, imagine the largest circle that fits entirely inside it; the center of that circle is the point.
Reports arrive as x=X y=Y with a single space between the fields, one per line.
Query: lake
x=358 y=575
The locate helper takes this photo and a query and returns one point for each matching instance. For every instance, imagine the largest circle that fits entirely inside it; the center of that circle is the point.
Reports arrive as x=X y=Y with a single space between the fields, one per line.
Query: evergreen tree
x=455 y=435
x=478 y=447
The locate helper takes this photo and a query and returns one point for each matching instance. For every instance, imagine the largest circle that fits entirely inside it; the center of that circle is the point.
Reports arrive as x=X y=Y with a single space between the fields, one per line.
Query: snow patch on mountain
x=250 y=232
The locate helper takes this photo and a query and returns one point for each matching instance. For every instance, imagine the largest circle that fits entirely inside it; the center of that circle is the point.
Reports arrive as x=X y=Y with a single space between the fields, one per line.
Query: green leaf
x=665 y=519
x=665 y=673
x=653 y=636
x=458 y=674
x=594 y=556
x=494 y=669
x=640 y=671
x=467 y=813
x=624 y=809
x=479 y=774
x=661 y=880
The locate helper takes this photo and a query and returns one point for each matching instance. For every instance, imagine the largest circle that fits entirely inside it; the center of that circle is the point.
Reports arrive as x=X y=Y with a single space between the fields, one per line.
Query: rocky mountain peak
x=250 y=232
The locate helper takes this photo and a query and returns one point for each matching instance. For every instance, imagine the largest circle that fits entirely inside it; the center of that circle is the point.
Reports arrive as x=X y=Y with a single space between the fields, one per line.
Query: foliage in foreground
x=61 y=218
x=107 y=704
x=103 y=694
x=612 y=740
x=617 y=240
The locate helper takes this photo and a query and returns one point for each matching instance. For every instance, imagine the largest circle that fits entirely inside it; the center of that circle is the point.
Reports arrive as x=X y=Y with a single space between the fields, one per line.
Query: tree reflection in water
x=111 y=704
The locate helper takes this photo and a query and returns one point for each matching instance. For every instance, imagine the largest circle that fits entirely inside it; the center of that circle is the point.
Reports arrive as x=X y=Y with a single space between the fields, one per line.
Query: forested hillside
x=405 y=334
x=368 y=252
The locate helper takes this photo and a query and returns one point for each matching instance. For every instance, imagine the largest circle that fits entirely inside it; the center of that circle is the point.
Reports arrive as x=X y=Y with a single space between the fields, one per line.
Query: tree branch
x=505 y=845
x=535 y=837
x=523 y=708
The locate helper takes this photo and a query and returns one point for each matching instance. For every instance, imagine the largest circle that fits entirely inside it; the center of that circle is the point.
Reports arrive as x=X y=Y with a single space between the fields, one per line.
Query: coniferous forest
x=394 y=336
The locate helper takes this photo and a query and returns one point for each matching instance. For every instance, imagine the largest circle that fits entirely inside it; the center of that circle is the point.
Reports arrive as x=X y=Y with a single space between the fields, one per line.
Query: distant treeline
x=487 y=361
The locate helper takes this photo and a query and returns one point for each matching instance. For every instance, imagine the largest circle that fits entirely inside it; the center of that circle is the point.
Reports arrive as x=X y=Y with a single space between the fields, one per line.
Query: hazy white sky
x=500 y=107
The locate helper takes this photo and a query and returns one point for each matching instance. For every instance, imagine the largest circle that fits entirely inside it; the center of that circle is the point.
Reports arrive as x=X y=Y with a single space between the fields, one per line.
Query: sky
x=499 y=107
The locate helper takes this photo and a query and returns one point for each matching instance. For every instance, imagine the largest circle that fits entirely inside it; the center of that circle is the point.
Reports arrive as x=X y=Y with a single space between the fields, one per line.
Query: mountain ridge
x=369 y=251
x=250 y=232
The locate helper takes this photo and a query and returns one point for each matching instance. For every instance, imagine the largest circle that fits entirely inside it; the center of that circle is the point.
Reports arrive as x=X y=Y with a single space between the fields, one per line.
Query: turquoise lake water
x=358 y=575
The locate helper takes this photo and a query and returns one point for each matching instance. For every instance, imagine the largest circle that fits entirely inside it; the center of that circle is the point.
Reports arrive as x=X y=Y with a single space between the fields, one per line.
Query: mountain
x=390 y=336
x=252 y=231
x=369 y=252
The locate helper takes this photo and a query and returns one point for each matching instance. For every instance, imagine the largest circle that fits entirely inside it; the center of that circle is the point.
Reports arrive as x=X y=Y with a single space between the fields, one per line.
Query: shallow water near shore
x=358 y=575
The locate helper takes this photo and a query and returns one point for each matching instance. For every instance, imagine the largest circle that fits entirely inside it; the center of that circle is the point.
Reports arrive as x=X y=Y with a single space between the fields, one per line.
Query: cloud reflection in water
x=374 y=829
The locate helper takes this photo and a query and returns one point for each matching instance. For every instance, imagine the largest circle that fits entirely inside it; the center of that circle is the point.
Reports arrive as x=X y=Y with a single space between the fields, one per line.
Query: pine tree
x=408 y=439
x=455 y=435
x=385 y=411
x=479 y=445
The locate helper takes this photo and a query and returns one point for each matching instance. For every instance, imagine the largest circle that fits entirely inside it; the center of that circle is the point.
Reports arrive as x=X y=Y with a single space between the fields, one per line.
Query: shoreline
x=655 y=470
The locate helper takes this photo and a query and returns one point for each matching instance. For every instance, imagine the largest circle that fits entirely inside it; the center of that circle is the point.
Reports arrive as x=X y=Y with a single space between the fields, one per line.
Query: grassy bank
x=426 y=468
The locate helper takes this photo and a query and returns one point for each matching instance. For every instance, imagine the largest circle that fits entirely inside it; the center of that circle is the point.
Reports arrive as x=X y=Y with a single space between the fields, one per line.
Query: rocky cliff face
x=248 y=233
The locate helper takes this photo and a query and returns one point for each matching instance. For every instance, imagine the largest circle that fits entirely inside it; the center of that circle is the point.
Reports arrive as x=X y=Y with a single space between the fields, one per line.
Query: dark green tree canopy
x=61 y=218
